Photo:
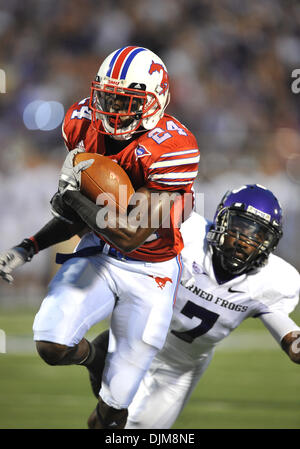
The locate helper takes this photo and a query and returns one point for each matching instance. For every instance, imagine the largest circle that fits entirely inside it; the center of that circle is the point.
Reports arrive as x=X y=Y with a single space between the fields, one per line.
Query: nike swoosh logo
x=234 y=291
x=113 y=424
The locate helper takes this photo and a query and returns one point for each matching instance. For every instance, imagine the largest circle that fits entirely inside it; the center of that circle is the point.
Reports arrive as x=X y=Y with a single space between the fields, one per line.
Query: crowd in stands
x=230 y=64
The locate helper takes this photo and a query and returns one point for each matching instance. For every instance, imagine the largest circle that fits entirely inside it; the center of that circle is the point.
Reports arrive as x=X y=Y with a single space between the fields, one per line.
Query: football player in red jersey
x=115 y=268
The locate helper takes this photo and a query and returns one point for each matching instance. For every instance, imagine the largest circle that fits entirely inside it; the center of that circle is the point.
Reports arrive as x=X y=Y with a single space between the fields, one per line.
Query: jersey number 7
x=207 y=317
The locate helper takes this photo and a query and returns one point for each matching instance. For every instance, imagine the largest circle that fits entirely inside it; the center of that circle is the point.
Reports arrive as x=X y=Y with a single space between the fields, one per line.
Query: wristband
x=36 y=246
x=30 y=246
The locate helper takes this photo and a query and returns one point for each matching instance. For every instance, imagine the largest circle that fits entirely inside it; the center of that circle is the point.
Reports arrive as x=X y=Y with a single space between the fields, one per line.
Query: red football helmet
x=131 y=90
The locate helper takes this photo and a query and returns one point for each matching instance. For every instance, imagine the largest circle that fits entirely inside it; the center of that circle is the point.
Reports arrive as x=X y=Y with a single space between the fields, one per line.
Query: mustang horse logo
x=161 y=282
x=155 y=67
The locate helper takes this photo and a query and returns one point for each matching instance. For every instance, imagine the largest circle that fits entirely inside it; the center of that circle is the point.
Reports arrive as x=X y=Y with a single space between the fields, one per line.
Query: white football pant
x=164 y=392
x=139 y=296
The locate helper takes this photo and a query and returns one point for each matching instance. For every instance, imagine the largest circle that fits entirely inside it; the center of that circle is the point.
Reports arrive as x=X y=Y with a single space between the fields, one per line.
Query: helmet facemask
x=121 y=110
x=243 y=242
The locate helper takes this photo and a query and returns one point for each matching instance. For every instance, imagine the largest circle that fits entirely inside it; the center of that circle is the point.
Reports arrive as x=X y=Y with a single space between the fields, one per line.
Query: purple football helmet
x=247 y=228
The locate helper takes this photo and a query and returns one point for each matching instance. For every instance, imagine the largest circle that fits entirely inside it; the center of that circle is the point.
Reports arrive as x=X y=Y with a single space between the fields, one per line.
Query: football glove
x=14 y=258
x=70 y=175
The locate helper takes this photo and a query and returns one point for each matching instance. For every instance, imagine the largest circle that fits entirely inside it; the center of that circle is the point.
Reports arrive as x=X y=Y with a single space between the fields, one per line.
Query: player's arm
x=125 y=231
x=285 y=331
x=149 y=210
x=55 y=231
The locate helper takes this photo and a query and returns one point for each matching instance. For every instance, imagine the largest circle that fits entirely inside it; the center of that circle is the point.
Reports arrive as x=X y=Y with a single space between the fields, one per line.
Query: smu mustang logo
x=155 y=67
x=161 y=282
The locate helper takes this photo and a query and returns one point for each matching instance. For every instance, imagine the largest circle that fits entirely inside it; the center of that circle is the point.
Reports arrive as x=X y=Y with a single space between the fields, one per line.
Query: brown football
x=105 y=177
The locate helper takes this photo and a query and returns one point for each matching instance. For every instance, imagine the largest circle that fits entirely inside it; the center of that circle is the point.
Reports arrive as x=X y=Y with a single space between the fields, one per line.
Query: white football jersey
x=206 y=312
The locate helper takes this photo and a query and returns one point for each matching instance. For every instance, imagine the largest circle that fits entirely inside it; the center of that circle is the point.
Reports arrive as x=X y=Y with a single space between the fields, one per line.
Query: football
x=105 y=177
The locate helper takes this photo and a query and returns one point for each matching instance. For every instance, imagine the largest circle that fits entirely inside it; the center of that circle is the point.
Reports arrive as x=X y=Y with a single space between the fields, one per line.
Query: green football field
x=251 y=384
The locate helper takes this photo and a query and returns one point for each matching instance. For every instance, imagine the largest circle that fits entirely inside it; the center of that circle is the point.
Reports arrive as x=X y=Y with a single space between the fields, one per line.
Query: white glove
x=10 y=260
x=70 y=175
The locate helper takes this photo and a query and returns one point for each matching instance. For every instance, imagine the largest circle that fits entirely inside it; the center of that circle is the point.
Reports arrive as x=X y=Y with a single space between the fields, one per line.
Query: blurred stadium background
x=230 y=65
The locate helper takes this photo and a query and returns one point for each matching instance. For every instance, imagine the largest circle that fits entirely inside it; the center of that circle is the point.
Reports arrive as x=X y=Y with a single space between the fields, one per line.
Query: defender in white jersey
x=233 y=276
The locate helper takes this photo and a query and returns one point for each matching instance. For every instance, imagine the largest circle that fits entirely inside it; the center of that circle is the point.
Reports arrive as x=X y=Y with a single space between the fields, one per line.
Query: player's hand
x=14 y=258
x=70 y=175
x=10 y=260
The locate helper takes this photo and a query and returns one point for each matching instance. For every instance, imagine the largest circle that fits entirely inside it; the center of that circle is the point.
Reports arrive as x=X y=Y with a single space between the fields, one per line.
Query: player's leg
x=89 y=354
x=95 y=363
x=160 y=397
x=125 y=369
x=125 y=365
x=164 y=391
x=139 y=326
x=57 y=354
x=106 y=417
x=78 y=298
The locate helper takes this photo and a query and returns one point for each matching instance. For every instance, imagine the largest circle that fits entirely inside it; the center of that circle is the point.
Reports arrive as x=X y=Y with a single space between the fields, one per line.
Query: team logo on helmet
x=155 y=67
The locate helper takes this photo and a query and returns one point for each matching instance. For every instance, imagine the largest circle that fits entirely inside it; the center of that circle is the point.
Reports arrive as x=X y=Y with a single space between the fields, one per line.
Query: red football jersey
x=164 y=158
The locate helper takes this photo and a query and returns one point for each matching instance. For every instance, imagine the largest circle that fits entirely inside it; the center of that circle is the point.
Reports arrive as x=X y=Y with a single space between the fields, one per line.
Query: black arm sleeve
x=84 y=207
x=62 y=211
x=56 y=231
